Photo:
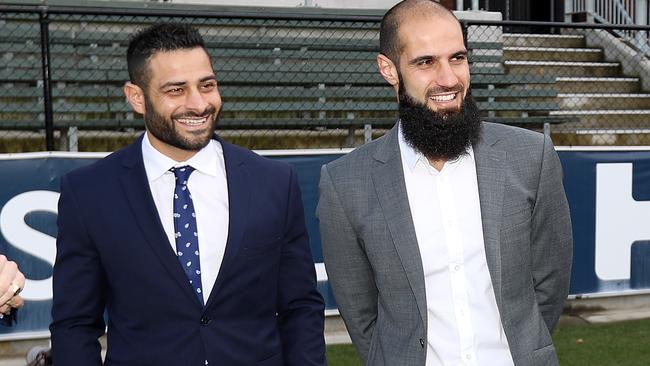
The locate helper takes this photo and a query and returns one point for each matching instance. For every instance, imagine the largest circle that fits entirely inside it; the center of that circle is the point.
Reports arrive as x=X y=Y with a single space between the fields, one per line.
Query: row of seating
x=282 y=74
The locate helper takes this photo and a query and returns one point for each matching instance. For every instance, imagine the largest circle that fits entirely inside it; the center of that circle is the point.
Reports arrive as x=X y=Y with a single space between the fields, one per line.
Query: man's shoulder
x=519 y=141
x=106 y=167
x=257 y=163
x=512 y=134
x=358 y=161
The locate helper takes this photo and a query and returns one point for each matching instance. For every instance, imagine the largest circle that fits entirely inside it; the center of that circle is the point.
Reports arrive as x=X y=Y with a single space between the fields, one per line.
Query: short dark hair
x=389 y=43
x=159 y=37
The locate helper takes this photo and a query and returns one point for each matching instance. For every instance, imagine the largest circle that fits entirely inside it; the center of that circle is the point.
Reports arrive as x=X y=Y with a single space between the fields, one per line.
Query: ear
x=387 y=69
x=135 y=96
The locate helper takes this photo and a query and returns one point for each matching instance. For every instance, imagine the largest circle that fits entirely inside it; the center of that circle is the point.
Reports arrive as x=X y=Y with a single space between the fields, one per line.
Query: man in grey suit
x=448 y=240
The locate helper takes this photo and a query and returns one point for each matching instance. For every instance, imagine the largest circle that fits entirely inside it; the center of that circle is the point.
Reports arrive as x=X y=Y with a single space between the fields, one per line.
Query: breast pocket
x=258 y=250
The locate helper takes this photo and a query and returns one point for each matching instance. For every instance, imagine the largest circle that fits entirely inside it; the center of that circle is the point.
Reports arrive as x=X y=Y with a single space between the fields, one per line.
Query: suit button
x=422 y=342
x=205 y=320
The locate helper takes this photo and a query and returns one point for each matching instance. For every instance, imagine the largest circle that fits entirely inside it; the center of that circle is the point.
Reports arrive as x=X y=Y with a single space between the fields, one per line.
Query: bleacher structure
x=282 y=75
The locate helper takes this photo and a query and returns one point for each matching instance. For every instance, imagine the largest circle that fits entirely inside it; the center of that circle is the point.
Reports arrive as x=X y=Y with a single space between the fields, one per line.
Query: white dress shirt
x=463 y=321
x=209 y=190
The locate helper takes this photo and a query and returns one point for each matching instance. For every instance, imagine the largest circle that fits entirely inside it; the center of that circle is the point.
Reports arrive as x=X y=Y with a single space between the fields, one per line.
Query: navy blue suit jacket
x=113 y=254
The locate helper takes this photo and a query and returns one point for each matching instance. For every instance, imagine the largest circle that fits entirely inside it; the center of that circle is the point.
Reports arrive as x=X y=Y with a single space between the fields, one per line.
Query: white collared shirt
x=463 y=322
x=209 y=190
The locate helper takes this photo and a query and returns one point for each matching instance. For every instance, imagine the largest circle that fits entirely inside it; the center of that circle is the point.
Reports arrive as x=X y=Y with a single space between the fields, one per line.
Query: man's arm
x=551 y=239
x=348 y=269
x=12 y=282
x=79 y=288
x=301 y=314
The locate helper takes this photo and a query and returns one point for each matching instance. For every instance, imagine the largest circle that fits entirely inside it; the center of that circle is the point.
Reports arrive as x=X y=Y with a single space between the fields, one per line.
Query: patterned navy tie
x=185 y=232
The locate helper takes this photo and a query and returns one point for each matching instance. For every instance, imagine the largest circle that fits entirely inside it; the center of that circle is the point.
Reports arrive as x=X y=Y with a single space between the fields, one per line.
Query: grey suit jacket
x=374 y=265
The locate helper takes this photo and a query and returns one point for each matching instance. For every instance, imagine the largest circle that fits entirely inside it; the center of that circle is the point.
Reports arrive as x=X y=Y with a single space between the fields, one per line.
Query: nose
x=196 y=101
x=446 y=76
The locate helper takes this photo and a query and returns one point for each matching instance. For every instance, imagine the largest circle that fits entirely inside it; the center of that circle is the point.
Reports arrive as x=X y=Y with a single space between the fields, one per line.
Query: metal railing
x=618 y=12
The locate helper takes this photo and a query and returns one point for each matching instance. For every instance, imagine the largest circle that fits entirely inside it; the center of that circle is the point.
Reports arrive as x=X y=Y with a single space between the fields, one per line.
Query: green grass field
x=619 y=344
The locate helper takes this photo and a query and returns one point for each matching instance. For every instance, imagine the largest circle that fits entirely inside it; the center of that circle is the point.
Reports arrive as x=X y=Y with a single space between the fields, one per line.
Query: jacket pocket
x=545 y=356
x=275 y=360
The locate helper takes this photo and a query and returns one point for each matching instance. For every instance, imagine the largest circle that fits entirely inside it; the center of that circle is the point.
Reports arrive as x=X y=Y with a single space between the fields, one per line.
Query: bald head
x=389 y=43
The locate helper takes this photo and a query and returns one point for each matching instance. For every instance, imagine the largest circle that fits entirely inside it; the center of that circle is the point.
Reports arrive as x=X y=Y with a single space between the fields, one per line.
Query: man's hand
x=12 y=282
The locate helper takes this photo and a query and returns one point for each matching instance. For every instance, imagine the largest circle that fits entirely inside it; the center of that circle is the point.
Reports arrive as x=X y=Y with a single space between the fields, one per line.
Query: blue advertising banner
x=28 y=208
x=608 y=192
x=609 y=197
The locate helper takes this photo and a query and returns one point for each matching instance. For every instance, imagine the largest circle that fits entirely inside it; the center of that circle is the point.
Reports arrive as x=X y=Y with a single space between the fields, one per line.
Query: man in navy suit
x=245 y=294
x=12 y=282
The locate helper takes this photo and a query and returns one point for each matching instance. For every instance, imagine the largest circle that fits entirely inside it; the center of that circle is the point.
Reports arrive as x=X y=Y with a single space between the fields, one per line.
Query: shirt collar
x=157 y=164
x=411 y=156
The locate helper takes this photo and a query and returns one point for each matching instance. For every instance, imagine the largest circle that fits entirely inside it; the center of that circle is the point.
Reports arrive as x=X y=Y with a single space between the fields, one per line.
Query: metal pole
x=553 y=11
x=547 y=129
x=47 y=91
x=641 y=12
x=568 y=10
x=591 y=10
x=474 y=4
x=459 y=4
x=641 y=18
x=367 y=133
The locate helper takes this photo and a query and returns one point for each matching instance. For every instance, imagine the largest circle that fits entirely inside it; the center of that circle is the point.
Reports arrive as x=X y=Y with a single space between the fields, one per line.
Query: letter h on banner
x=622 y=224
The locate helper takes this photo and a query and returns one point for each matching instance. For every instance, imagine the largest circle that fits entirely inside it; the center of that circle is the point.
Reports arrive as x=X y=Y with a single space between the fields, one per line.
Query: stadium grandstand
x=306 y=76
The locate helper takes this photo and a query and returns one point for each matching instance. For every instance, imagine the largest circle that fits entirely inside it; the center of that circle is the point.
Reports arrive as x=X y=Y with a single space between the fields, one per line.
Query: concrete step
x=563 y=68
x=542 y=40
x=602 y=84
x=13 y=361
x=619 y=119
x=15 y=352
x=581 y=101
x=552 y=54
x=335 y=330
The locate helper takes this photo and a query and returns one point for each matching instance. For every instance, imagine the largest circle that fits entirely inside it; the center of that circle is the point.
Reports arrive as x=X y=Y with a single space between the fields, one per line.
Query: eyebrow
x=181 y=83
x=460 y=53
x=433 y=58
x=419 y=59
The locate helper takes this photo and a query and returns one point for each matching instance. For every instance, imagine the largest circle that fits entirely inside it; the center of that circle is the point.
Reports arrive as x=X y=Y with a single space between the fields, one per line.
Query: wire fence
x=307 y=81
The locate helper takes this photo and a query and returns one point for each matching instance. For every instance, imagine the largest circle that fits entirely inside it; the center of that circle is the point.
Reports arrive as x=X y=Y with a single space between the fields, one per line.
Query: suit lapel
x=136 y=188
x=238 y=206
x=490 y=173
x=388 y=179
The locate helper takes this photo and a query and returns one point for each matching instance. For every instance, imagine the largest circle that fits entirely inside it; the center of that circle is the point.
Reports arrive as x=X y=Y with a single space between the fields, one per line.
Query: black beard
x=164 y=130
x=439 y=136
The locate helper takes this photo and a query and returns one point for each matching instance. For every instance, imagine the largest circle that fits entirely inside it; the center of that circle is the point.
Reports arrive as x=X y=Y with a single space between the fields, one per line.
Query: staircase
x=609 y=108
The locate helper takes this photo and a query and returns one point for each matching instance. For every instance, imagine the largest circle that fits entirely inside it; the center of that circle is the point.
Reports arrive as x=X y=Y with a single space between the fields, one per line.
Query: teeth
x=192 y=121
x=443 y=98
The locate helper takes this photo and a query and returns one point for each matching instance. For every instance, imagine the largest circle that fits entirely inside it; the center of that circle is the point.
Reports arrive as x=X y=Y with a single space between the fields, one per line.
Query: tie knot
x=182 y=173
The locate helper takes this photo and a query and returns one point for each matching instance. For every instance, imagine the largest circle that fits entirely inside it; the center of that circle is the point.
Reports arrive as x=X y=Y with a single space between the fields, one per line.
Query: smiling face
x=432 y=66
x=425 y=60
x=181 y=102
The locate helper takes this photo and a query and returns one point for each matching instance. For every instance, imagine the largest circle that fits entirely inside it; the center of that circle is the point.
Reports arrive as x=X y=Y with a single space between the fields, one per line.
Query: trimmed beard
x=164 y=129
x=443 y=135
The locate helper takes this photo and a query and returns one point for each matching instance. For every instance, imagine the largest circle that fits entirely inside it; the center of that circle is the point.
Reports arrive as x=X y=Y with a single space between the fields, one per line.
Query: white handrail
x=622 y=12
